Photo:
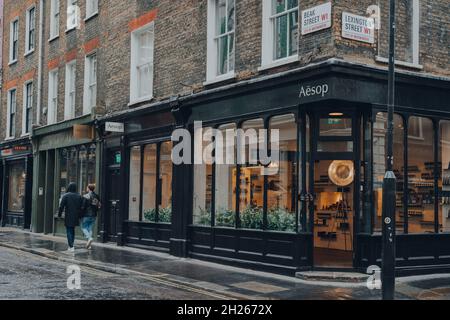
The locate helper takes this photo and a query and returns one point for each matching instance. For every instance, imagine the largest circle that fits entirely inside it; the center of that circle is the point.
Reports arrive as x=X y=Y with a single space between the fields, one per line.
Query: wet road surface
x=27 y=276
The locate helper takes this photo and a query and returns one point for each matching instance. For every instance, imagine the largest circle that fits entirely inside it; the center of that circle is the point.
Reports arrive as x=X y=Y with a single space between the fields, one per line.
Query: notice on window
x=316 y=18
x=358 y=28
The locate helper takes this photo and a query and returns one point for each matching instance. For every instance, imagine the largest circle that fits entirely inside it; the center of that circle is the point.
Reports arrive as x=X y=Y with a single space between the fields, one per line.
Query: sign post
x=389 y=182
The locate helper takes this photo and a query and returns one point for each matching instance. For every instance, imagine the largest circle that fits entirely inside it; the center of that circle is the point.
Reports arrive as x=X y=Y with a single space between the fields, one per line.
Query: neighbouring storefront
x=321 y=208
x=64 y=153
x=17 y=170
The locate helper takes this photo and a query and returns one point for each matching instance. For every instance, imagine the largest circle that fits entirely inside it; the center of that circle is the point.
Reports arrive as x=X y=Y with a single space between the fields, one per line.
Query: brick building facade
x=154 y=66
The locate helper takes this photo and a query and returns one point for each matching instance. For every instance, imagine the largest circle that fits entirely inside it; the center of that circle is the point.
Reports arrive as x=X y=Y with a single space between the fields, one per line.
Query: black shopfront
x=322 y=207
x=16 y=172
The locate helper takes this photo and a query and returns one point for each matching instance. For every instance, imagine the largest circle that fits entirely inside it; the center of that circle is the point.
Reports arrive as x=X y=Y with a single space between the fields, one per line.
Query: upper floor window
x=91 y=8
x=407 y=37
x=14 y=41
x=30 y=34
x=90 y=84
x=73 y=14
x=52 y=97
x=11 y=120
x=69 y=106
x=54 y=18
x=27 y=114
x=280 y=31
x=142 y=45
x=221 y=39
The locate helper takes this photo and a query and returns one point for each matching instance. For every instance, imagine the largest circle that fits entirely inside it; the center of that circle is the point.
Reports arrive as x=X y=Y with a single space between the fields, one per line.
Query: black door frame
x=355 y=156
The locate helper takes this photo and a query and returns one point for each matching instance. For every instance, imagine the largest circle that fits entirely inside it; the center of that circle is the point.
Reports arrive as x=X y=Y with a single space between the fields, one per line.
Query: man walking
x=90 y=207
x=71 y=204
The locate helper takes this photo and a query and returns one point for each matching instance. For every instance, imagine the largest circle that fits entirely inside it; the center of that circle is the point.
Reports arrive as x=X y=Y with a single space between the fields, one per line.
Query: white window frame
x=26 y=107
x=54 y=19
x=212 y=51
x=134 y=85
x=12 y=36
x=268 y=31
x=29 y=28
x=90 y=85
x=91 y=8
x=70 y=90
x=73 y=15
x=10 y=125
x=415 y=38
x=52 y=108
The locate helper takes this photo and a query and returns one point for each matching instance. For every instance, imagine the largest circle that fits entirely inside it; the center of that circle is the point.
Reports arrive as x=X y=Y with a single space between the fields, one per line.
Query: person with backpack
x=91 y=205
x=70 y=204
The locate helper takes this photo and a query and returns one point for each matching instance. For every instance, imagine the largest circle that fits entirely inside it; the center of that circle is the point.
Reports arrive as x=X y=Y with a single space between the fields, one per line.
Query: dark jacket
x=91 y=205
x=71 y=204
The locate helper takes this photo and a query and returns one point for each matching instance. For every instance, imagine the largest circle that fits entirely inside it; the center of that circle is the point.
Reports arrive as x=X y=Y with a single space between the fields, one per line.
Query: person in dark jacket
x=71 y=204
x=90 y=207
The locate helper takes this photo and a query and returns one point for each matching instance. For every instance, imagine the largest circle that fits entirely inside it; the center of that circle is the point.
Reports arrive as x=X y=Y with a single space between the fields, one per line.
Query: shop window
x=149 y=181
x=224 y=189
x=281 y=193
x=151 y=201
x=82 y=164
x=251 y=182
x=221 y=26
x=16 y=190
x=335 y=127
x=91 y=165
x=379 y=148
x=280 y=31
x=421 y=213
x=444 y=178
x=135 y=184
x=203 y=183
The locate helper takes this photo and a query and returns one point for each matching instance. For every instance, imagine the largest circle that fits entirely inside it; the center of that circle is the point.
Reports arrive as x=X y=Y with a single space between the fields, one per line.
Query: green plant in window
x=252 y=218
x=165 y=215
x=203 y=217
x=225 y=218
x=280 y=219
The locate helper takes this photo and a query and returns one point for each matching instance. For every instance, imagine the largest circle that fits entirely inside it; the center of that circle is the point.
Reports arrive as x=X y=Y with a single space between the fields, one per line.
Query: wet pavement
x=34 y=266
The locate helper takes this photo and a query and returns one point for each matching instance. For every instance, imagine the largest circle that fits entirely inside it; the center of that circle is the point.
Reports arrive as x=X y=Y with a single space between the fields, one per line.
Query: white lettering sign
x=114 y=127
x=316 y=18
x=309 y=91
x=358 y=28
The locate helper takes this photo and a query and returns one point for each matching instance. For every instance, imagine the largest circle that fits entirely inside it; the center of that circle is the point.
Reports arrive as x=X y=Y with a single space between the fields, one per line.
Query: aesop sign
x=314 y=90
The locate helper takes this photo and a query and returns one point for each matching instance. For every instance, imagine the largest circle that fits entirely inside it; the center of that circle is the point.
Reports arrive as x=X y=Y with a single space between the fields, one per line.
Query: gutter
x=40 y=62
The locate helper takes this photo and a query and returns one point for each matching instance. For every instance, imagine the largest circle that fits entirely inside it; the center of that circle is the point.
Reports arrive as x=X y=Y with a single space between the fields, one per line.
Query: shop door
x=113 y=203
x=333 y=213
x=333 y=181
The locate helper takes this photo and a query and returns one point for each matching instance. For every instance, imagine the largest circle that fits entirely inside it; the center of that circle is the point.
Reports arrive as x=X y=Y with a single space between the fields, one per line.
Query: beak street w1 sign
x=114 y=127
x=316 y=18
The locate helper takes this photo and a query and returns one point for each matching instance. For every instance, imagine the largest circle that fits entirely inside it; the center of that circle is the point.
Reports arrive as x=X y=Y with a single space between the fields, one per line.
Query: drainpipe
x=40 y=55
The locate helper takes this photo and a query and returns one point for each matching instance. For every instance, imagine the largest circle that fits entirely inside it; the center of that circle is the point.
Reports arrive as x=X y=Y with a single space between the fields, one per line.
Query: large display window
x=150 y=183
x=16 y=187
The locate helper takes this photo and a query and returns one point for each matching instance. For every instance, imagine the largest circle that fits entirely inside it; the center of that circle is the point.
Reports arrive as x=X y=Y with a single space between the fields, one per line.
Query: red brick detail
x=53 y=64
x=71 y=55
x=11 y=84
x=91 y=45
x=28 y=76
x=142 y=20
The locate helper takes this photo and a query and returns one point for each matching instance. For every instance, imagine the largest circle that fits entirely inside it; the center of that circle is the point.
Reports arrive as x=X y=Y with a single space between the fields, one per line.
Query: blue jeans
x=87 y=223
x=70 y=236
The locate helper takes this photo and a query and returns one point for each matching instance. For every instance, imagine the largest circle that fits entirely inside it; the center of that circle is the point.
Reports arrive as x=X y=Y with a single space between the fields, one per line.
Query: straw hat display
x=341 y=172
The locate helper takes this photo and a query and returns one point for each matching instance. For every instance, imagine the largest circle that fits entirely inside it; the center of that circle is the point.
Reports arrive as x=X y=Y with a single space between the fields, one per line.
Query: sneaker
x=71 y=249
x=89 y=244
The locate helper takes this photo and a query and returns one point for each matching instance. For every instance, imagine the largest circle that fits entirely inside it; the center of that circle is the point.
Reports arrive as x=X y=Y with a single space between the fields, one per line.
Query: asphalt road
x=26 y=276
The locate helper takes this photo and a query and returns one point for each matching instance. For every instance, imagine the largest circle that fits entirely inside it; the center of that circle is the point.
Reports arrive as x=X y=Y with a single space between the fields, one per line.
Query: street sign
x=358 y=28
x=316 y=18
x=114 y=127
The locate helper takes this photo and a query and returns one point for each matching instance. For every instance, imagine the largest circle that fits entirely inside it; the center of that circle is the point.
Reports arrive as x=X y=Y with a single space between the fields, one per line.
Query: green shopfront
x=322 y=207
x=63 y=153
